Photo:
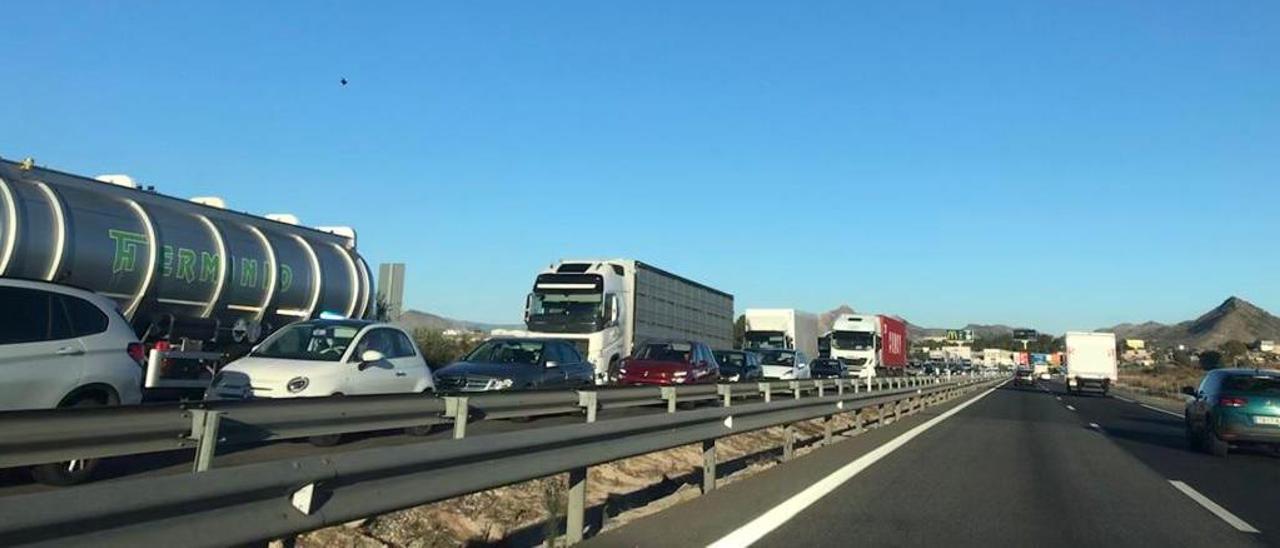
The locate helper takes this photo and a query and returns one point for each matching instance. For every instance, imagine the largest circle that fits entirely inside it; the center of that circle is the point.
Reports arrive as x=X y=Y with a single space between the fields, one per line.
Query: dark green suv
x=1234 y=407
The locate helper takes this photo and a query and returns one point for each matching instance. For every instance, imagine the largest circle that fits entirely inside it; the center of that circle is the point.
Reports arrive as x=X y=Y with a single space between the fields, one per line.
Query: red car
x=670 y=362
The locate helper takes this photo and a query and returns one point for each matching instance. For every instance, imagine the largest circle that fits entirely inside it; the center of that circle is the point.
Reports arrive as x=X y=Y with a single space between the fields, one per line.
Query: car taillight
x=138 y=353
x=1232 y=401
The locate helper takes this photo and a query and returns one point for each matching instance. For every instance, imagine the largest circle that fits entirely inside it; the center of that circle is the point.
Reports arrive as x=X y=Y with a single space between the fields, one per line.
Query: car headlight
x=297 y=384
x=1071 y=381
x=498 y=384
x=622 y=371
x=734 y=378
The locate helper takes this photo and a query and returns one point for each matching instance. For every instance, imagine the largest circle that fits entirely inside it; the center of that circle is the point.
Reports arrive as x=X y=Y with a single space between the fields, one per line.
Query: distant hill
x=980 y=331
x=1235 y=319
x=417 y=319
x=826 y=319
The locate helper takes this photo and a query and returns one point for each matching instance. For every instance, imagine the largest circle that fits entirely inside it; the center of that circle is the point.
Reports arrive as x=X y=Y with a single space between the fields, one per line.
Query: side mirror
x=1190 y=391
x=552 y=363
x=370 y=356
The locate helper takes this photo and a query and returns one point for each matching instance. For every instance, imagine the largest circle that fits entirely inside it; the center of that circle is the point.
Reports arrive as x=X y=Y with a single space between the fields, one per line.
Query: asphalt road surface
x=1027 y=466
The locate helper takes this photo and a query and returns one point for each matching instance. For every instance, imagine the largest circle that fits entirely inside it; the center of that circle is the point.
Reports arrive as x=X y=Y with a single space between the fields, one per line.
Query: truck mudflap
x=1089 y=384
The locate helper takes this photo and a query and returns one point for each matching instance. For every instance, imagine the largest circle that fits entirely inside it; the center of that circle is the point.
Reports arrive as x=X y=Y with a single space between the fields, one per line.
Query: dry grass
x=1161 y=380
x=491 y=516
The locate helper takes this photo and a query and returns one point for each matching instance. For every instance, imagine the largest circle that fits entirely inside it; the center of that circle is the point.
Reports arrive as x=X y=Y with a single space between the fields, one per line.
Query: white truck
x=608 y=306
x=1090 y=361
x=871 y=344
x=781 y=328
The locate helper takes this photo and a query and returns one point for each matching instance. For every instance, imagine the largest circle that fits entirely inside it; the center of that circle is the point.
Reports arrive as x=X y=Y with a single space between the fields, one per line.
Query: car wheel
x=325 y=441
x=1215 y=445
x=1194 y=442
x=423 y=430
x=70 y=472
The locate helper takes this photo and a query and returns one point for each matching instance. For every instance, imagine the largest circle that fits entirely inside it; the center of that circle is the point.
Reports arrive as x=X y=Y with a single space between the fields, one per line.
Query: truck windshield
x=764 y=339
x=566 y=312
x=308 y=341
x=852 y=340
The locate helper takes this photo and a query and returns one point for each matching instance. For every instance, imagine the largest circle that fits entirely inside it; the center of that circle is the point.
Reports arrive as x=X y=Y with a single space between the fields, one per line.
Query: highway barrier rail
x=278 y=499
x=56 y=435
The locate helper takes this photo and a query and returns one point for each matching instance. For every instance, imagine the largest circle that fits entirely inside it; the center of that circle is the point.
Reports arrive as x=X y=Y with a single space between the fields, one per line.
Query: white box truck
x=785 y=328
x=1090 y=361
x=608 y=306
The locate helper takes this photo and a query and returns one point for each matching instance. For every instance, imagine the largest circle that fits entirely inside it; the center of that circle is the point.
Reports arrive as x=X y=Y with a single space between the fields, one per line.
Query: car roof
x=65 y=289
x=527 y=339
x=1240 y=371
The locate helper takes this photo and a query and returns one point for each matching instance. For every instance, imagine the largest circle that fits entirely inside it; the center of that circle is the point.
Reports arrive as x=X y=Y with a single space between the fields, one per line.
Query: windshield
x=765 y=339
x=666 y=352
x=778 y=357
x=731 y=359
x=566 y=312
x=507 y=352
x=1261 y=384
x=308 y=341
x=852 y=340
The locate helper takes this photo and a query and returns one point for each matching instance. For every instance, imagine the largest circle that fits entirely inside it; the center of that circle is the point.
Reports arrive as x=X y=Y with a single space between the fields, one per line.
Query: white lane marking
x=1071 y=408
x=1211 y=506
x=1165 y=411
x=759 y=527
x=1059 y=398
x=1094 y=425
x=1123 y=399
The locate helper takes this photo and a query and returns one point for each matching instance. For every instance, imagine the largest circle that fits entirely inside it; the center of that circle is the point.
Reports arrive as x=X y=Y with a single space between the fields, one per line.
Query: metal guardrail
x=277 y=499
x=37 y=437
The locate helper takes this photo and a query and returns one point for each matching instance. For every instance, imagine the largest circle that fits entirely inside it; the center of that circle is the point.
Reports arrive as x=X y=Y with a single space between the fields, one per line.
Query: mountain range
x=417 y=319
x=1235 y=319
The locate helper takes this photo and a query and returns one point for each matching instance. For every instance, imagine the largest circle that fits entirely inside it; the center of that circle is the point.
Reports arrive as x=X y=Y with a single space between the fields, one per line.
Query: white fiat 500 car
x=326 y=358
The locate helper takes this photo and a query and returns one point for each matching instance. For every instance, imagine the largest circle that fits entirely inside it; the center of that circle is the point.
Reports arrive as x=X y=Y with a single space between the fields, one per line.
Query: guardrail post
x=840 y=387
x=589 y=400
x=857 y=422
x=826 y=430
x=789 y=442
x=708 y=466
x=767 y=390
x=897 y=411
x=821 y=388
x=204 y=429
x=576 y=513
x=726 y=391
x=795 y=389
x=669 y=394
x=868 y=384
x=880 y=415
x=455 y=407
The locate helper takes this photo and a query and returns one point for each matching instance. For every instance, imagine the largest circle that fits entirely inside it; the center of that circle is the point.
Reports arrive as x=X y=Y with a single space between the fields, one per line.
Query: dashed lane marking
x=1215 y=508
x=1071 y=408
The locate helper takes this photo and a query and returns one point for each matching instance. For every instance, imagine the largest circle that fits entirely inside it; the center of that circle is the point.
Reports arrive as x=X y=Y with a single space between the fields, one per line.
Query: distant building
x=1265 y=346
x=391 y=289
x=1135 y=344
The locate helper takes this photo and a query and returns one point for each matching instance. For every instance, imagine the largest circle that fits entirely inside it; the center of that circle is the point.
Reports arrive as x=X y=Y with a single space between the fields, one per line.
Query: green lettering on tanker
x=248 y=272
x=125 y=258
x=186 y=264
x=166 y=259
x=208 y=267
x=286 y=277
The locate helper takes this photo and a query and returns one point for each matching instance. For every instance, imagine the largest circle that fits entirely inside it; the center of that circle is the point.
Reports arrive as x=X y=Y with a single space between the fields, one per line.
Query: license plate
x=1274 y=421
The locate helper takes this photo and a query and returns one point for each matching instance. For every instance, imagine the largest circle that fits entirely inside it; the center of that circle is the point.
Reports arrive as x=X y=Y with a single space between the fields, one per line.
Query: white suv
x=65 y=347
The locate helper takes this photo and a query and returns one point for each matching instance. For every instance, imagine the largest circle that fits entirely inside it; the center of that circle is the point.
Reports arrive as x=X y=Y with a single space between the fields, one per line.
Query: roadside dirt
x=528 y=513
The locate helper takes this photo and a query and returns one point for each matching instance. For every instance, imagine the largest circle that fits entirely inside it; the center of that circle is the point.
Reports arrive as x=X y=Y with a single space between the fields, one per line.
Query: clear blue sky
x=1053 y=164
